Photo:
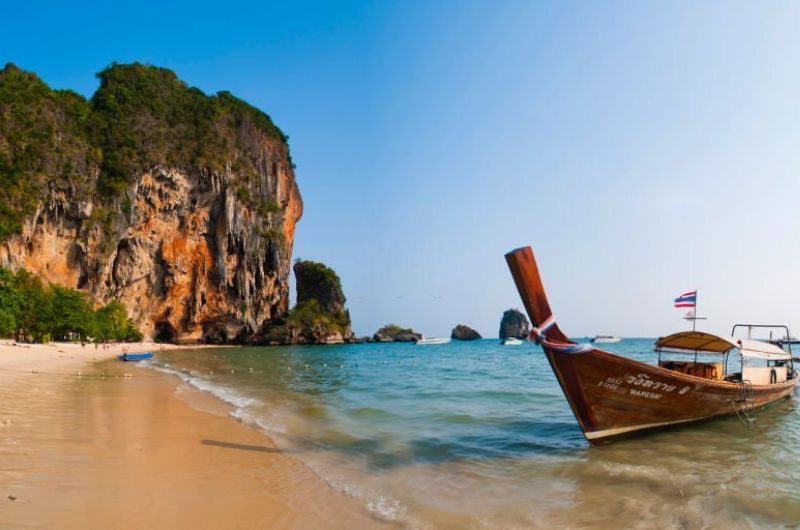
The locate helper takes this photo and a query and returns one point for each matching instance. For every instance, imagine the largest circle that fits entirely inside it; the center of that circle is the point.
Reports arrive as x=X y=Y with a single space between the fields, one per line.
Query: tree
x=36 y=316
x=8 y=324
x=10 y=303
x=112 y=323
x=32 y=311
x=74 y=313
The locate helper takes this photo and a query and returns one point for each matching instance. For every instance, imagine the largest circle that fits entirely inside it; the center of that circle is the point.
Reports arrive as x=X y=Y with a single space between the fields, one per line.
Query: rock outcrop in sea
x=181 y=205
x=394 y=333
x=462 y=332
x=514 y=324
x=319 y=317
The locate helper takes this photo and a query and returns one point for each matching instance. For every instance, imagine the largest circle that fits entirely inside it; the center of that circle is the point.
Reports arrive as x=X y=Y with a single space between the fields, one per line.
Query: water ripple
x=469 y=435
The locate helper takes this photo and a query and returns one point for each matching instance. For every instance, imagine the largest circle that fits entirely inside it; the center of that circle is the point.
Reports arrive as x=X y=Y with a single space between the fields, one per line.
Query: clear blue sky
x=642 y=148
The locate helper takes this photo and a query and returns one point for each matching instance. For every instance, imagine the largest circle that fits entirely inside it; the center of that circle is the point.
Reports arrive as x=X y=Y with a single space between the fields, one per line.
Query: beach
x=469 y=435
x=88 y=442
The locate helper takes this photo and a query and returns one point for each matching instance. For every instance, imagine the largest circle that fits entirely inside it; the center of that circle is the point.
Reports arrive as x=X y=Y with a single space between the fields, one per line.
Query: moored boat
x=605 y=339
x=511 y=341
x=135 y=356
x=425 y=341
x=788 y=339
x=613 y=396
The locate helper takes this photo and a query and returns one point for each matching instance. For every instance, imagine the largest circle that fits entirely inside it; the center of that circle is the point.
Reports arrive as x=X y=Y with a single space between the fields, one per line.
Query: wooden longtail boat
x=128 y=357
x=613 y=396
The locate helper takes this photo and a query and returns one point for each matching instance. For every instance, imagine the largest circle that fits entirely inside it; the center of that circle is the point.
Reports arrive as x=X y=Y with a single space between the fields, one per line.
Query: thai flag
x=686 y=299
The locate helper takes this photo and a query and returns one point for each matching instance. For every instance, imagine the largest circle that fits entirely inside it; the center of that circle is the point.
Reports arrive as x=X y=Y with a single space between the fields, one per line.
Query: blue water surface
x=490 y=422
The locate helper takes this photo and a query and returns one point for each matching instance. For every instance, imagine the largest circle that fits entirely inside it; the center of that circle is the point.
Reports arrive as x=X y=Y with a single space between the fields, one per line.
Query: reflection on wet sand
x=107 y=452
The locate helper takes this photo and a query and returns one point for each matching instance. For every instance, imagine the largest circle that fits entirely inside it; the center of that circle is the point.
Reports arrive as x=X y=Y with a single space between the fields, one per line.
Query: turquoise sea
x=479 y=435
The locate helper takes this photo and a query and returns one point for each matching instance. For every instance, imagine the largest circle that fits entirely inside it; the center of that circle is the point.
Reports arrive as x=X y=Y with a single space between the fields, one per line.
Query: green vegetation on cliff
x=309 y=315
x=316 y=281
x=395 y=333
x=140 y=117
x=31 y=311
x=394 y=329
x=44 y=140
x=143 y=116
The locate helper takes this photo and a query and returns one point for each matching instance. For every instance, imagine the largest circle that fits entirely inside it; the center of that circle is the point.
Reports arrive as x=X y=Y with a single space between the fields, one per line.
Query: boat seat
x=711 y=371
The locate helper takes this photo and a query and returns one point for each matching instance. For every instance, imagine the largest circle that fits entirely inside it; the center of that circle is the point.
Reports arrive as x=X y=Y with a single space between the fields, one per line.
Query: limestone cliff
x=179 y=204
x=319 y=317
x=462 y=332
x=514 y=324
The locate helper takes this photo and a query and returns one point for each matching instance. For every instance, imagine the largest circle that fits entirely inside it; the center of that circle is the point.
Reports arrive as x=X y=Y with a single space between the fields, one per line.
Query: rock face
x=514 y=324
x=462 y=332
x=181 y=205
x=393 y=333
x=316 y=281
x=319 y=317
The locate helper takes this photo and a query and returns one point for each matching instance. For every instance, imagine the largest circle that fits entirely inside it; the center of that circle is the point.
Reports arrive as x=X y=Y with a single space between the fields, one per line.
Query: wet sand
x=60 y=356
x=144 y=451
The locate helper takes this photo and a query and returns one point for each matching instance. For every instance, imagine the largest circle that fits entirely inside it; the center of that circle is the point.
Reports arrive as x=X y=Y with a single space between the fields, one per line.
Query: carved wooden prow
x=529 y=284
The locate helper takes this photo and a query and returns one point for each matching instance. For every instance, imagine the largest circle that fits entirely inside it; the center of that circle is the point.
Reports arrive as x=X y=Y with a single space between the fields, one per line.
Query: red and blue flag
x=687 y=299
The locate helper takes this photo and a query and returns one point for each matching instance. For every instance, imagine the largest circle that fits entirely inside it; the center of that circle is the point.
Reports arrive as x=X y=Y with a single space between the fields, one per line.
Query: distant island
x=463 y=332
x=395 y=333
x=514 y=324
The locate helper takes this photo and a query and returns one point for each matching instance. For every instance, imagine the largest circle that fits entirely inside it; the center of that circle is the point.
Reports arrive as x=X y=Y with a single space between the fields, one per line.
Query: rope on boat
x=538 y=335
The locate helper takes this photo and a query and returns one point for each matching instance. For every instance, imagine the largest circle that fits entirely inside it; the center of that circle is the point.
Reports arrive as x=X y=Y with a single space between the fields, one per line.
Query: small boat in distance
x=613 y=396
x=605 y=339
x=135 y=356
x=425 y=341
x=788 y=339
x=511 y=341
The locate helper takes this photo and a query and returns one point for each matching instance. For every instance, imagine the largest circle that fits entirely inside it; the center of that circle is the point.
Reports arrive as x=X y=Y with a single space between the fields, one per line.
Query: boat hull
x=613 y=340
x=613 y=396
x=432 y=342
x=130 y=357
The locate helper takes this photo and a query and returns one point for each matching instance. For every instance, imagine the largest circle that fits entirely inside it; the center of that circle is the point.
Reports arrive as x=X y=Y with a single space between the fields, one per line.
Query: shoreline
x=21 y=357
x=137 y=448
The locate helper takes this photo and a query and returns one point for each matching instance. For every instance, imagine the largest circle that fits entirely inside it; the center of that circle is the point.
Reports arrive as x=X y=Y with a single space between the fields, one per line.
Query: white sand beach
x=88 y=442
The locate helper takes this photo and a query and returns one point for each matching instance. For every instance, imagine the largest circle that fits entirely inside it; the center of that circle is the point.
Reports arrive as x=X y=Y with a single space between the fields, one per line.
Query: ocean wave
x=246 y=410
x=258 y=421
x=226 y=394
x=382 y=506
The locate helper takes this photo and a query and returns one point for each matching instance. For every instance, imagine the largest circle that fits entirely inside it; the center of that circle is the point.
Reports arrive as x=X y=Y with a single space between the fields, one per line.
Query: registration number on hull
x=641 y=386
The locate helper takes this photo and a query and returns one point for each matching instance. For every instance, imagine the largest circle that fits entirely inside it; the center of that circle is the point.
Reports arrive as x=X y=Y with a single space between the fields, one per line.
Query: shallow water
x=479 y=435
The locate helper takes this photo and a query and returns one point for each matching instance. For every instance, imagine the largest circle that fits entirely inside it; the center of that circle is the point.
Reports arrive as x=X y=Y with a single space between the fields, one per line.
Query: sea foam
x=226 y=394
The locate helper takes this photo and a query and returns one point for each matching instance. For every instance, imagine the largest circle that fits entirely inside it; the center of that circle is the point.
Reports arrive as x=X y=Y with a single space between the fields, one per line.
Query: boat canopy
x=697 y=341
